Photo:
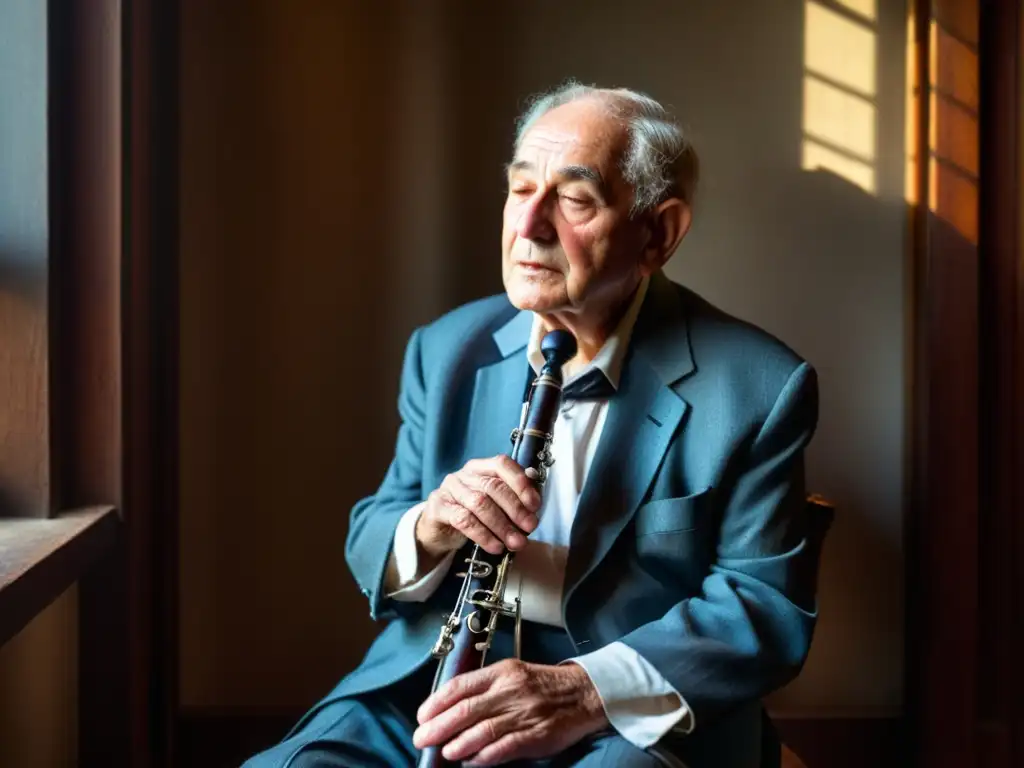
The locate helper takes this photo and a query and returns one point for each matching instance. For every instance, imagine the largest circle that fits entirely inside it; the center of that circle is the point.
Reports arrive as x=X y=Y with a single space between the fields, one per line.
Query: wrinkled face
x=568 y=243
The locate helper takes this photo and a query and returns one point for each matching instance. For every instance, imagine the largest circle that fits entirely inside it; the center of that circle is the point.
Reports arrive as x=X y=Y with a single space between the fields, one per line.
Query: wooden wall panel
x=966 y=535
x=942 y=527
x=117 y=64
x=1000 y=717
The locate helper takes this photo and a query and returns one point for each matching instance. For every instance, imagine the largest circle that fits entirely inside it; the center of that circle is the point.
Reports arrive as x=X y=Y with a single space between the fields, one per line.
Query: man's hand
x=490 y=501
x=510 y=710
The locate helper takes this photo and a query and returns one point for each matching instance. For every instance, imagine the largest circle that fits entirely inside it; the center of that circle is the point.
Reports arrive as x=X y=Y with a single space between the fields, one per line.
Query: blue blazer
x=690 y=543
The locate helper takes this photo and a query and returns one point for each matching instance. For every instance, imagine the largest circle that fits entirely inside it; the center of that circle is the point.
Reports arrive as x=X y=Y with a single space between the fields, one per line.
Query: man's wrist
x=590 y=703
x=429 y=554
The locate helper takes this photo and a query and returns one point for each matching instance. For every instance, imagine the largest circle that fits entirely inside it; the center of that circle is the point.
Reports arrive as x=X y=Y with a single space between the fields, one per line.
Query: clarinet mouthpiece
x=558 y=347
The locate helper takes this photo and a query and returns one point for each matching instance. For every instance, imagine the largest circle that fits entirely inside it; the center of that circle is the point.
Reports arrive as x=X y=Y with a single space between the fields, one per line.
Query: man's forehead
x=583 y=126
x=543 y=144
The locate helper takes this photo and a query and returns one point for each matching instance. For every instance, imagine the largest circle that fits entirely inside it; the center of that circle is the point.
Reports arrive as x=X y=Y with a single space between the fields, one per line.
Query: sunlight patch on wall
x=866 y=8
x=839 y=48
x=952 y=152
x=953 y=139
x=840 y=119
x=840 y=114
x=910 y=177
x=857 y=171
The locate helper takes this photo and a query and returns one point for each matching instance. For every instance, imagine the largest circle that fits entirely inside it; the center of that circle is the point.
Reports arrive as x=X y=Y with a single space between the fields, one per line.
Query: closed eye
x=578 y=201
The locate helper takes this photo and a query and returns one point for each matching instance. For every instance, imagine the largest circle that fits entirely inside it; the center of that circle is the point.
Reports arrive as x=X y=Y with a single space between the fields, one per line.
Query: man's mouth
x=535 y=266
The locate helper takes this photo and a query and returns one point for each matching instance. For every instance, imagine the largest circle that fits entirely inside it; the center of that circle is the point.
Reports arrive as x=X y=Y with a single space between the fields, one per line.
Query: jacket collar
x=655 y=327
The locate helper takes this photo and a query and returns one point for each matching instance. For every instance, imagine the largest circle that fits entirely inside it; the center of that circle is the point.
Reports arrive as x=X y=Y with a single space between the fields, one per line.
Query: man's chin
x=535 y=302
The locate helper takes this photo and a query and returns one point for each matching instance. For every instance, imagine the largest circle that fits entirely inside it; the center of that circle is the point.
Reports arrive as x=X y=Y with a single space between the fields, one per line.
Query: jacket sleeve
x=374 y=519
x=749 y=630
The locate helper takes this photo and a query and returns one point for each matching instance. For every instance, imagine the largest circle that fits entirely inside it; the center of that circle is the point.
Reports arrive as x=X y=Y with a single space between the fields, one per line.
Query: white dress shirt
x=639 y=703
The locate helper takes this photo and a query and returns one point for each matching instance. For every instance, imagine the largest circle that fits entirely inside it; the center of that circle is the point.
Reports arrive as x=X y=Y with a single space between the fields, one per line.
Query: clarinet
x=468 y=630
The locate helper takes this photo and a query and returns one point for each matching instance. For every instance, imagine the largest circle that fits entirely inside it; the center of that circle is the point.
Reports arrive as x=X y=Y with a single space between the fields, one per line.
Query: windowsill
x=40 y=558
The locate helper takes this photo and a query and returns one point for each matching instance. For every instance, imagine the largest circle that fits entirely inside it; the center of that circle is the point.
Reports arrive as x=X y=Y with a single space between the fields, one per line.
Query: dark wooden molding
x=942 y=534
x=941 y=528
x=85 y=261
x=86 y=144
x=964 y=535
x=999 y=730
x=41 y=558
x=128 y=603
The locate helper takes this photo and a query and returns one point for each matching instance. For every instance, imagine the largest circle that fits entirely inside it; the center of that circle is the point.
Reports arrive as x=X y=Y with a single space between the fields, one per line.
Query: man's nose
x=535 y=220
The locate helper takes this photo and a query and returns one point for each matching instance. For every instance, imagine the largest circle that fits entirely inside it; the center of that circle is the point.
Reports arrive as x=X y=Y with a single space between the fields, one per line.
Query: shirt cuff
x=640 y=704
x=403 y=581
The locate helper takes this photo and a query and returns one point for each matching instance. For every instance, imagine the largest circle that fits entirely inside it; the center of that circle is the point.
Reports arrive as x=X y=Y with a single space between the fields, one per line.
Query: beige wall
x=342 y=182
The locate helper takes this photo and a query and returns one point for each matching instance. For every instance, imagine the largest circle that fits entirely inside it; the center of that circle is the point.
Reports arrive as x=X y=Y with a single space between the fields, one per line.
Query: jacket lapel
x=498 y=391
x=642 y=419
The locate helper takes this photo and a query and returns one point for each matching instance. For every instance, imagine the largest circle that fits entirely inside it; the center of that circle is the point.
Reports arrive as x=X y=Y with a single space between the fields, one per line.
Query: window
x=87 y=314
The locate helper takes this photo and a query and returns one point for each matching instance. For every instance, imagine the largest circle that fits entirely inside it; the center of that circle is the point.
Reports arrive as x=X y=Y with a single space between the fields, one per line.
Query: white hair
x=659 y=162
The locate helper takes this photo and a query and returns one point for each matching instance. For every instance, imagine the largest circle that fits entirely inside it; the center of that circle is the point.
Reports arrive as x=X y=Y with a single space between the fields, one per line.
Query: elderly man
x=664 y=572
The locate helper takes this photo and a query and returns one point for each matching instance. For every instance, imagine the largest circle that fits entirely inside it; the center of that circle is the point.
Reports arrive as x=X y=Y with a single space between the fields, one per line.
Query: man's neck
x=591 y=330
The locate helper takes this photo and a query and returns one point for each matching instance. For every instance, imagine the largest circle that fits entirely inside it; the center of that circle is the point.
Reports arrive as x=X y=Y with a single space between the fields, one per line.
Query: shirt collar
x=612 y=354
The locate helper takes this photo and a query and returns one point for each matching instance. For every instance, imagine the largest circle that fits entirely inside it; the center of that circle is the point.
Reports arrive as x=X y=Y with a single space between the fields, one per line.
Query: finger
x=499 y=508
x=495 y=486
x=451 y=722
x=477 y=737
x=458 y=516
x=455 y=690
x=505 y=481
x=486 y=515
x=511 y=746
x=513 y=475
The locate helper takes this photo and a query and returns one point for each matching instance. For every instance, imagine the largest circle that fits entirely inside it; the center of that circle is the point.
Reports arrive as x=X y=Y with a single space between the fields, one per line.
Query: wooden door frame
x=999 y=728
x=964 y=537
x=110 y=400
x=128 y=670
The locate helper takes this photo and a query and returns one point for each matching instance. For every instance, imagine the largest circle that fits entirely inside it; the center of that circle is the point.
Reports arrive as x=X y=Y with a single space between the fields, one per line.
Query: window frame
x=109 y=522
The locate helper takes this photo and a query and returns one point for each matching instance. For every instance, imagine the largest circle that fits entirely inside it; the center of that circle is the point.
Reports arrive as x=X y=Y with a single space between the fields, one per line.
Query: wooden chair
x=820 y=514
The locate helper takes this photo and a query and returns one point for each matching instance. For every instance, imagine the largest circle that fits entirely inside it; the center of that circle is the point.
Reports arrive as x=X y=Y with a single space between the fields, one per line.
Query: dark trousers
x=375 y=729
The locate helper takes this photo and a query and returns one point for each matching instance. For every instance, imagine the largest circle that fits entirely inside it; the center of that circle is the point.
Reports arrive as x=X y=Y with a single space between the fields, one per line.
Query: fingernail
x=533 y=500
x=515 y=540
x=529 y=523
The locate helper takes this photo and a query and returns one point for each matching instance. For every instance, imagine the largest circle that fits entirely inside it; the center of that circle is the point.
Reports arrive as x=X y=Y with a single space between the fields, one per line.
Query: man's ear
x=668 y=222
